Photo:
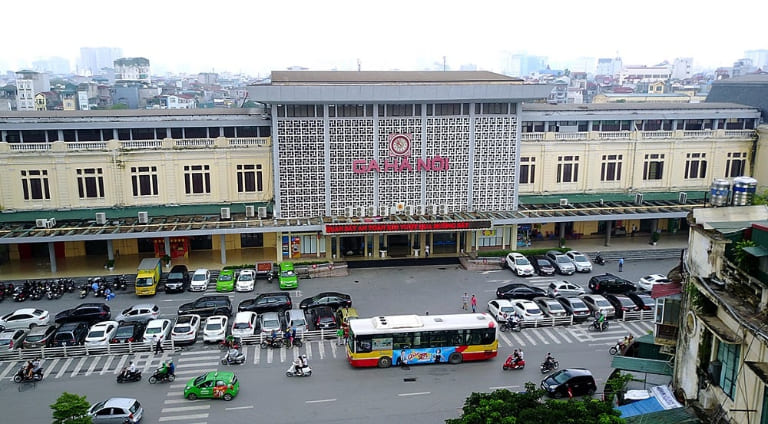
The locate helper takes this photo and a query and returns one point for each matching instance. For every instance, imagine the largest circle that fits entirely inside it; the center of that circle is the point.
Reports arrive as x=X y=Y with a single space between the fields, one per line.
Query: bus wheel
x=455 y=358
x=385 y=362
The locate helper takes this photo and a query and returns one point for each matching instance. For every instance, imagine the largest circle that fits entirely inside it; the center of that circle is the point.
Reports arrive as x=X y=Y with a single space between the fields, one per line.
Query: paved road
x=336 y=393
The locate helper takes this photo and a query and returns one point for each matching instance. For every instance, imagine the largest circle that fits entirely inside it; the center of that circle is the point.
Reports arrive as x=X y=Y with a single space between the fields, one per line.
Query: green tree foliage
x=71 y=409
x=760 y=199
x=745 y=261
x=505 y=407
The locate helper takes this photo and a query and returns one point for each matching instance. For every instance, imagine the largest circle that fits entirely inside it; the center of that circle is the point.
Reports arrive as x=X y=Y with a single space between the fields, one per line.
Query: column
x=52 y=255
x=513 y=238
x=477 y=241
x=422 y=244
x=167 y=243
x=431 y=243
x=328 y=247
x=562 y=233
x=222 y=243
x=608 y=230
x=338 y=247
x=458 y=243
x=365 y=245
x=505 y=231
x=110 y=251
x=279 y=247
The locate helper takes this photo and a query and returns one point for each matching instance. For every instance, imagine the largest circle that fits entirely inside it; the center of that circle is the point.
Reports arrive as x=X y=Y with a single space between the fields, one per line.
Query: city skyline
x=257 y=38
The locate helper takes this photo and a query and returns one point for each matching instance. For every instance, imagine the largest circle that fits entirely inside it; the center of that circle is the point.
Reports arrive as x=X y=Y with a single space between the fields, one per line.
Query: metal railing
x=547 y=322
x=637 y=315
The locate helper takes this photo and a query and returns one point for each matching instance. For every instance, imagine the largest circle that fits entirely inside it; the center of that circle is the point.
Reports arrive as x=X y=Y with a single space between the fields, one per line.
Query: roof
x=720 y=329
x=649 y=366
x=668 y=416
x=733 y=217
x=632 y=106
x=760 y=369
x=758 y=251
x=640 y=407
x=664 y=290
x=378 y=77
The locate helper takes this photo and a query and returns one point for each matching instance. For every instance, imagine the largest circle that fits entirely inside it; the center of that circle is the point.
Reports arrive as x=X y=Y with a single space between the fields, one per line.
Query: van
x=294 y=318
x=343 y=315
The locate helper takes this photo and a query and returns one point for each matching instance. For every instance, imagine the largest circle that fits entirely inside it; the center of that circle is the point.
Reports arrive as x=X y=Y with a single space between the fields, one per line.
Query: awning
x=757 y=251
x=669 y=416
x=719 y=329
x=640 y=407
x=760 y=369
x=648 y=366
x=664 y=290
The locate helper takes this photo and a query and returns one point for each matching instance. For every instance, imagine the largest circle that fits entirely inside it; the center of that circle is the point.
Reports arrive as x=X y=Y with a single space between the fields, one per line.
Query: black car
x=207 y=306
x=542 y=265
x=70 y=334
x=177 y=280
x=87 y=312
x=322 y=317
x=129 y=332
x=570 y=382
x=621 y=304
x=266 y=302
x=40 y=336
x=643 y=301
x=333 y=299
x=609 y=283
x=519 y=291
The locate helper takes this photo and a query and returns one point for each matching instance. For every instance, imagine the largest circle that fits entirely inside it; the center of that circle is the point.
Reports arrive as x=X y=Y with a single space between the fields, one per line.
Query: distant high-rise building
x=53 y=65
x=93 y=59
x=609 y=66
x=743 y=67
x=28 y=84
x=681 y=68
x=519 y=64
x=583 y=64
x=208 y=78
x=133 y=69
x=759 y=58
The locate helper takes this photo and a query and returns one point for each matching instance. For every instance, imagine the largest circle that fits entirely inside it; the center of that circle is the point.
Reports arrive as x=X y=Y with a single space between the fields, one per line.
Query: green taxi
x=288 y=278
x=214 y=385
x=226 y=281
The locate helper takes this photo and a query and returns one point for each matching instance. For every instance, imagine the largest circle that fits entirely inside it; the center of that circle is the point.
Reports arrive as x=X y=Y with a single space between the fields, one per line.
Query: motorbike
x=157 y=377
x=599 y=259
x=549 y=366
x=126 y=376
x=510 y=364
x=273 y=342
x=294 y=371
x=20 y=294
x=83 y=291
x=505 y=326
x=596 y=326
x=297 y=342
x=21 y=375
x=233 y=357
x=227 y=345
x=620 y=345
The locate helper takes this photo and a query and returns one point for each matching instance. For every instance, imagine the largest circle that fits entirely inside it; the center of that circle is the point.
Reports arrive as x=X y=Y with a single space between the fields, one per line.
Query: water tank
x=718 y=192
x=744 y=189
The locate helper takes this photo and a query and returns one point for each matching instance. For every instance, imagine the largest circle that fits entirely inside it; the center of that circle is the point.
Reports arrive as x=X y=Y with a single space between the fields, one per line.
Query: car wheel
x=385 y=362
x=591 y=391
x=192 y=396
x=455 y=358
x=227 y=397
x=557 y=395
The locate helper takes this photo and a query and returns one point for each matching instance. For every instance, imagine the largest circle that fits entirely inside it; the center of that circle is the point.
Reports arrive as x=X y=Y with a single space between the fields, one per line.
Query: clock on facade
x=400 y=144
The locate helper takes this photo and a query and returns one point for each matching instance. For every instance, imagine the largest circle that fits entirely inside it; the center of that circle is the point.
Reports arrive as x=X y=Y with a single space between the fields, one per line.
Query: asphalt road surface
x=336 y=392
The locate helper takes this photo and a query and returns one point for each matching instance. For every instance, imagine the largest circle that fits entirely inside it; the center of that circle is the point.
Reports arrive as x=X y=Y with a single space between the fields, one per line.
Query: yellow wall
x=74 y=248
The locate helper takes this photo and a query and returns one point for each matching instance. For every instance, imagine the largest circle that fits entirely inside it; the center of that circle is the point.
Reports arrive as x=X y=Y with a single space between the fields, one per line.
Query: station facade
x=352 y=165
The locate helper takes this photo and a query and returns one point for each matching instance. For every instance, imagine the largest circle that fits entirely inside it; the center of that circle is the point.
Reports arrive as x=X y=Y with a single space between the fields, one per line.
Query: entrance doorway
x=96 y=247
x=444 y=243
x=398 y=246
x=352 y=246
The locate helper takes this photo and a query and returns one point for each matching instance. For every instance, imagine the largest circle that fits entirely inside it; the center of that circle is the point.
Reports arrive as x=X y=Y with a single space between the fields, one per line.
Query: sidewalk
x=89 y=266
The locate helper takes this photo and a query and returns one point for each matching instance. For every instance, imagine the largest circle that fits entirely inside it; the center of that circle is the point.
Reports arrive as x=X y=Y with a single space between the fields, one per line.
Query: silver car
x=561 y=262
x=143 y=312
x=580 y=261
x=564 y=288
x=116 y=410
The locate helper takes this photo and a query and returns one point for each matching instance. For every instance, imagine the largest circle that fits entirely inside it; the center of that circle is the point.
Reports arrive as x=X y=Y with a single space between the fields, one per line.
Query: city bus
x=412 y=339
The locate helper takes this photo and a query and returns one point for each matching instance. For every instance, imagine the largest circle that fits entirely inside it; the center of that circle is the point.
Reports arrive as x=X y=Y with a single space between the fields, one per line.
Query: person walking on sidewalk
x=474 y=303
x=621 y=264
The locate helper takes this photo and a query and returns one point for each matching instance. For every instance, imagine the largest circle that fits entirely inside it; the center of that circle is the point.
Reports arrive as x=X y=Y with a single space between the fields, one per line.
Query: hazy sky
x=256 y=37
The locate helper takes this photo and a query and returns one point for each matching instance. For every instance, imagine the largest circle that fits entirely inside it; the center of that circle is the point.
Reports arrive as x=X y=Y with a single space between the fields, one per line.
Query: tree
x=71 y=409
x=505 y=407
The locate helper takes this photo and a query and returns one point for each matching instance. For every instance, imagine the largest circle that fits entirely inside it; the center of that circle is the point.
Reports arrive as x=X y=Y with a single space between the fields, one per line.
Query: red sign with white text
x=405 y=227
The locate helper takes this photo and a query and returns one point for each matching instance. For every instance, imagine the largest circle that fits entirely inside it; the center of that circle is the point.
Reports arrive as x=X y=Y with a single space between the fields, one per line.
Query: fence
x=547 y=322
x=637 y=315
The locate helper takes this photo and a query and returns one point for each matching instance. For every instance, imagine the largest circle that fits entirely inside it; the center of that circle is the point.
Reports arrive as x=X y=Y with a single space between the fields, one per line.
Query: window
x=653 y=167
x=695 y=165
x=197 y=179
x=90 y=183
x=567 y=169
x=144 y=180
x=252 y=240
x=249 y=178
x=728 y=355
x=527 y=170
x=611 y=168
x=34 y=184
x=736 y=164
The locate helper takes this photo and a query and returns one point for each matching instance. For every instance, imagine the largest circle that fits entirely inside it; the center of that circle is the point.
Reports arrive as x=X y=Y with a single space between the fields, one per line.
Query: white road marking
x=49 y=368
x=121 y=364
x=256 y=355
x=524 y=333
x=78 y=366
x=13 y=365
x=321 y=349
x=413 y=394
x=537 y=334
x=174 y=401
x=561 y=333
x=517 y=339
x=320 y=401
x=183 y=417
x=64 y=367
x=282 y=354
x=169 y=394
x=503 y=387
x=505 y=339
x=198 y=364
x=308 y=345
x=93 y=365
x=269 y=355
x=104 y=369
x=199 y=359
x=333 y=349
x=177 y=386
x=196 y=371
x=196 y=353
x=234 y=408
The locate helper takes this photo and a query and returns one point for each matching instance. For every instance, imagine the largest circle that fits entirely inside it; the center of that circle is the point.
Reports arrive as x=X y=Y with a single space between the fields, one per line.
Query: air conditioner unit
x=262 y=212
x=384 y=210
x=225 y=213
x=420 y=210
x=361 y=211
x=349 y=211
x=409 y=210
x=563 y=202
x=143 y=217
x=638 y=198
x=51 y=223
x=250 y=211
x=41 y=223
x=682 y=197
x=444 y=209
x=101 y=218
x=372 y=211
x=434 y=209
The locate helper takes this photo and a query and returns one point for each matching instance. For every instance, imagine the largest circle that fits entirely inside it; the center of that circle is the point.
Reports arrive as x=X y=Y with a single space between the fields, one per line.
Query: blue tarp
x=640 y=407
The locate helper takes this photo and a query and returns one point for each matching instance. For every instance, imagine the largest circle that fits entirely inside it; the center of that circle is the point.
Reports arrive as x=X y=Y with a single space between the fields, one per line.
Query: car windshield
x=144 y=282
x=199 y=380
x=175 y=275
x=135 y=407
x=543 y=262
x=648 y=300
x=96 y=333
x=561 y=378
x=271 y=323
x=554 y=306
x=579 y=258
x=626 y=301
x=522 y=261
x=287 y=274
x=299 y=322
x=577 y=304
x=34 y=338
x=182 y=329
x=225 y=277
x=246 y=277
x=602 y=303
x=198 y=277
x=153 y=330
x=242 y=325
x=4 y=341
x=507 y=309
x=125 y=331
x=532 y=310
x=213 y=326
x=563 y=259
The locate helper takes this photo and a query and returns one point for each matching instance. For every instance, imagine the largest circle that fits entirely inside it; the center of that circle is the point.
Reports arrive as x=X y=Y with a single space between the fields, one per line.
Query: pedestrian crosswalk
x=578 y=333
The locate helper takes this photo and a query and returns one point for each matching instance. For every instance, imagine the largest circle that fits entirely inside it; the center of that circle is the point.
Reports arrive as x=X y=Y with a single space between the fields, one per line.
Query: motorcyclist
x=287 y=337
x=513 y=320
x=162 y=372
x=302 y=363
x=549 y=361
x=516 y=357
x=28 y=369
x=132 y=370
x=171 y=368
x=600 y=320
x=273 y=336
x=232 y=354
x=599 y=258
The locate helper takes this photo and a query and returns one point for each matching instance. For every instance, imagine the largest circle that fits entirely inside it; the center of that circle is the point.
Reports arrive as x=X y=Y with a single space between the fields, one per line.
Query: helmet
x=303 y=356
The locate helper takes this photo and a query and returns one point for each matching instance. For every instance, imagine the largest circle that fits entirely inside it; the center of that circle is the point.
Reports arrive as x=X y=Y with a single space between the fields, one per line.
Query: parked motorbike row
x=278 y=342
x=36 y=290
x=99 y=286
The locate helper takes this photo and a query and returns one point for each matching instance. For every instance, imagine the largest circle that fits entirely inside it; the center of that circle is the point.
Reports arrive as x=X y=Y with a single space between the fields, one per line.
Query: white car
x=200 y=280
x=186 y=328
x=25 y=318
x=527 y=309
x=500 y=309
x=646 y=283
x=580 y=261
x=157 y=327
x=519 y=264
x=215 y=329
x=245 y=280
x=244 y=324
x=101 y=333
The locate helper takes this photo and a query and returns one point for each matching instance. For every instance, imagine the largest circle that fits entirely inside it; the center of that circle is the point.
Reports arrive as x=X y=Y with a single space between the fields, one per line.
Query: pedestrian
x=621 y=264
x=474 y=303
x=158 y=344
x=465 y=301
x=634 y=229
x=426 y=250
x=108 y=295
x=339 y=336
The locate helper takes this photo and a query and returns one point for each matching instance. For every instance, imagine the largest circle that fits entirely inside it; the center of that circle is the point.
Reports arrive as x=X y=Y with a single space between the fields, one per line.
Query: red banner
x=405 y=227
